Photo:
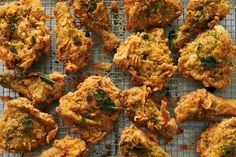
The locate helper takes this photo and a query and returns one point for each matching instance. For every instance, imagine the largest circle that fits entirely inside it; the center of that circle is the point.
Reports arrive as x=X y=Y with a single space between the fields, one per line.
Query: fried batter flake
x=24 y=36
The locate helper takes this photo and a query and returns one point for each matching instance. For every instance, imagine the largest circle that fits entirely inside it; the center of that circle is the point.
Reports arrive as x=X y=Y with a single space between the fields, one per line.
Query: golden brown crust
x=73 y=47
x=142 y=14
x=209 y=58
x=92 y=109
x=24 y=128
x=147 y=58
x=94 y=15
x=24 y=37
x=135 y=142
x=68 y=146
x=217 y=139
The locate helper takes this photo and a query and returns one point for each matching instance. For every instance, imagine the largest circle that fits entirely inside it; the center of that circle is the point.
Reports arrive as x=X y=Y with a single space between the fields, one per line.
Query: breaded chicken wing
x=201 y=15
x=94 y=15
x=202 y=105
x=142 y=109
x=23 y=127
x=24 y=36
x=209 y=58
x=147 y=58
x=142 y=14
x=40 y=88
x=92 y=109
x=73 y=47
x=67 y=147
x=134 y=142
x=218 y=140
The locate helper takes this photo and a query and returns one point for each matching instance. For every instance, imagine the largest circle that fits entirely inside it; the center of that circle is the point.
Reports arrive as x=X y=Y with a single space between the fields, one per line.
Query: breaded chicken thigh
x=23 y=127
x=202 y=105
x=135 y=142
x=73 y=47
x=201 y=15
x=209 y=58
x=142 y=109
x=94 y=15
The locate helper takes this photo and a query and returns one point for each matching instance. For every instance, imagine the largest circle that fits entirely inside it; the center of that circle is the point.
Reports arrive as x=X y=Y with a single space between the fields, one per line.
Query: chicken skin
x=209 y=58
x=142 y=109
x=73 y=47
x=23 y=127
x=147 y=58
x=201 y=15
x=218 y=140
x=202 y=105
x=142 y=14
x=24 y=36
x=94 y=15
x=134 y=142
x=92 y=109
x=40 y=88
x=67 y=147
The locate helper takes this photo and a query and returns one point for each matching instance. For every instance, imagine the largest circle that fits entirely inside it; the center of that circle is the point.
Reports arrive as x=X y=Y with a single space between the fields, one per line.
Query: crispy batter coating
x=67 y=147
x=92 y=109
x=24 y=36
x=202 y=105
x=73 y=47
x=94 y=15
x=35 y=87
x=23 y=127
x=201 y=15
x=209 y=58
x=218 y=140
x=147 y=58
x=141 y=14
x=142 y=109
x=134 y=142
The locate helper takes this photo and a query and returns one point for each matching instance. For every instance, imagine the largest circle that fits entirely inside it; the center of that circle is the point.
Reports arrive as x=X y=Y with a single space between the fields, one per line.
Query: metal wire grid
x=178 y=86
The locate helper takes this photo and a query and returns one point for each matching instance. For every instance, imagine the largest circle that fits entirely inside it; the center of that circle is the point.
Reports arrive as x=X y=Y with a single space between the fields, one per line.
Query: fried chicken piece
x=147 y=58
x=92 y=109
x=142 y=109
x=24 y=36
x=40 y=88
x=67 y=147
x=73 y=47
x=142 y=14
x=134 y=142
x=23 y=127
x=94 y=15
x=202 y=105
x=209 y=58
x=218 y=140
x=201 y=15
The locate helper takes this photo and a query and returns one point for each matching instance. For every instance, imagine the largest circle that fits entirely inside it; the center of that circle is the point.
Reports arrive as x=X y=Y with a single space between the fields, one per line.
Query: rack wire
x=178 y=86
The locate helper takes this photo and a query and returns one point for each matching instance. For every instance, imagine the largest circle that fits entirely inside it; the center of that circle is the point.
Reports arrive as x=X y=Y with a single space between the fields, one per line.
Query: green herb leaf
x=145 y=37
x=45 y=78
x=100 y=94
x=230 y=148
x=209 y=62
x=33 y=40
x=107 y=104
x=11 y=28
x=28 y=122
x=88 y=98
x=140 y=149
x=13 y=49
x=199 y=46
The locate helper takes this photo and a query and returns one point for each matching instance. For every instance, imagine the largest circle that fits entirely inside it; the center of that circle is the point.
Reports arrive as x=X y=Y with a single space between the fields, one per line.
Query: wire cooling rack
x=178 y=86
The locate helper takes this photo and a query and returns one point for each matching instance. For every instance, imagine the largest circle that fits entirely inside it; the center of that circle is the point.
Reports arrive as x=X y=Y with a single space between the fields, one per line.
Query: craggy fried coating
x=147 y=58
x=92 y=109
x=67 y=147
x=142 y=109
x=201 y=15
x=73 y=47
x=23 y=127
x=142 y=14
x=202 y=105
x=94 y=15
x=209 y=58
x=24 y=36
x=134 y=142
x=35 y=87
x=218 y=140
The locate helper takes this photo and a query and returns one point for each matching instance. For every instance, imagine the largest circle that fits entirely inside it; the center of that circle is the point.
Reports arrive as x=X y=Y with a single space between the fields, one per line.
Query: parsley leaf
x=209 y=62
x=100 y=94
x=107 y=104
x=45 y=78
x=140 y=149
x=27 y=122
